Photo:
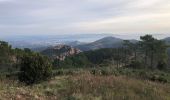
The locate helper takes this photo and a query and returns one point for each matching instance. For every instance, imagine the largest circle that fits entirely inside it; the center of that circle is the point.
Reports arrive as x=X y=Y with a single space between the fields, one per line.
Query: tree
x=161 y=54
x=5 y=52
x=130 y=50
x=154 y=49
x=27 y=50
x=34 y=68
x=145 y=45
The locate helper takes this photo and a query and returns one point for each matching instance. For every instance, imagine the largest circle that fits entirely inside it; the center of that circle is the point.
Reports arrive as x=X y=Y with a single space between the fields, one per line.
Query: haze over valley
x=39 y=41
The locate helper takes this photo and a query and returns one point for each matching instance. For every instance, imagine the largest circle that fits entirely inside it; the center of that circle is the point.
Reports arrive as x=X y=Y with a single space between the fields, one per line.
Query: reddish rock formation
x=61 y=52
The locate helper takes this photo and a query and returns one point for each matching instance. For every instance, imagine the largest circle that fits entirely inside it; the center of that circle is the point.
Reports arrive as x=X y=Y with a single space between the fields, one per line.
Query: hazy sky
x=29 y=17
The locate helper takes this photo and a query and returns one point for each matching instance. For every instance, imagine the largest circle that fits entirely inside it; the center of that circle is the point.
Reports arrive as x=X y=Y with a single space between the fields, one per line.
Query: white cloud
x=2 y=0
x=6 y=1
x=80 y=16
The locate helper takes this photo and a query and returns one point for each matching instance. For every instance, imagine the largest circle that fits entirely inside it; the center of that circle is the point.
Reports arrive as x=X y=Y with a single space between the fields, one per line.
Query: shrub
x=161 y=65
x=58 y=72
x=34 y=68
x=135 y=64
x=93 y=71
x=159 y=78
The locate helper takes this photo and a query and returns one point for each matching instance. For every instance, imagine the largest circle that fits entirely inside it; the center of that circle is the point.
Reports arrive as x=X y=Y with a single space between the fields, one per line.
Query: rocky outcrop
x=60 y=52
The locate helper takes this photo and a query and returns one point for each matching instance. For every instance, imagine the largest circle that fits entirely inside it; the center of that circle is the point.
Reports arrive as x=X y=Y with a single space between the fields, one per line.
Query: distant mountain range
x=167 y=40
x=74 y=43
x=100 y=41
x=34 y=42
x=107 y=42
x=60 y=52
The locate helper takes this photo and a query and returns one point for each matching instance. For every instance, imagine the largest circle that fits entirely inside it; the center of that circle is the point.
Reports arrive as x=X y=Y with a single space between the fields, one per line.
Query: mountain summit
x=107 y=42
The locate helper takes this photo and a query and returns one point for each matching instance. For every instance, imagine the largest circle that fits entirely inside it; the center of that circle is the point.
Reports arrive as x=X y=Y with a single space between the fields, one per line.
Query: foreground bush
x=135 y=64
x=34 y=68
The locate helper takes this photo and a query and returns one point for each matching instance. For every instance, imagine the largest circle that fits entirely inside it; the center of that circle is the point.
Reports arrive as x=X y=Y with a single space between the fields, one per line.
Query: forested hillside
x=137 y=70
x=147 y=53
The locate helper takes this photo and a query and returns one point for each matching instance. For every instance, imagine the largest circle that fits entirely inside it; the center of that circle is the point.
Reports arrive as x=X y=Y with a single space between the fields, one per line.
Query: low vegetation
x=82 y=84
x=34 y=68
x=136 y=71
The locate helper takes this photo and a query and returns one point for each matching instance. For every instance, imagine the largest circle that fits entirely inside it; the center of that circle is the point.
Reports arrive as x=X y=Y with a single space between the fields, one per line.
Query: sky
x=44 y=17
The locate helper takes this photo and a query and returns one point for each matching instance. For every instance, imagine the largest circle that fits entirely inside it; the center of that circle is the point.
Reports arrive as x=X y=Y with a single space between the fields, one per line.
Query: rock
x=60 y=52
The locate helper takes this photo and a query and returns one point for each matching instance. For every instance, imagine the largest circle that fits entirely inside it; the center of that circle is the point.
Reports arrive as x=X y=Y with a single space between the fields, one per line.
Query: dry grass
x=86 y=87
x=116 y=88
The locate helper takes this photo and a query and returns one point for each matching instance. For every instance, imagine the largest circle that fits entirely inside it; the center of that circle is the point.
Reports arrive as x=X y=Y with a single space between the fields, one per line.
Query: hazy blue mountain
x=37 y=41
x=34 y=42
x=167 y=40
x=107 y=42
x=74 y=43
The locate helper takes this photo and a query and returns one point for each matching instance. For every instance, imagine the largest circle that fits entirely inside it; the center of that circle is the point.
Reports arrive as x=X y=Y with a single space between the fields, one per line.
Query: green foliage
x=27 y=50
x=152 y=53
x=79 y=60
x=100 y=56
x=34 y=68
x=159 y=78
x=135 y=64
x=162 y=65
x=147 y=53
x=153 y=49
x=86 y=87
x=5 y=53
x=144 y=74
x=92 y=58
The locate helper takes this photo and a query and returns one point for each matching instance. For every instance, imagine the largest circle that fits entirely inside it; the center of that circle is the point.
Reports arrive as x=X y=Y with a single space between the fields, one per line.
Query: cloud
x=5 y=0
x=84 y=16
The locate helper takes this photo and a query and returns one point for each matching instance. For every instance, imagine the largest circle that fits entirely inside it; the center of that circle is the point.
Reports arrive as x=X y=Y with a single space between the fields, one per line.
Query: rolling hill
x=107 y=42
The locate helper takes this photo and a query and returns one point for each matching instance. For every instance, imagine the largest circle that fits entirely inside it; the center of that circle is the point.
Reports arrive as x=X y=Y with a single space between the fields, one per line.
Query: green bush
x=34 y=68
x=161 y=65
x=159 y=78
x=135 y=64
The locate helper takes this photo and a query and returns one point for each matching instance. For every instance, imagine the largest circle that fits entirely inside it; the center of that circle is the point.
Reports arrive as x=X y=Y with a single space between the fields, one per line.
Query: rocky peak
x=61 y=52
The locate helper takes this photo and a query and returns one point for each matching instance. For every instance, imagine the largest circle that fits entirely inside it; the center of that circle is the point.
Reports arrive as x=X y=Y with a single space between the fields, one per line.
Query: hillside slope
x=60 y=52
x=107 y=42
